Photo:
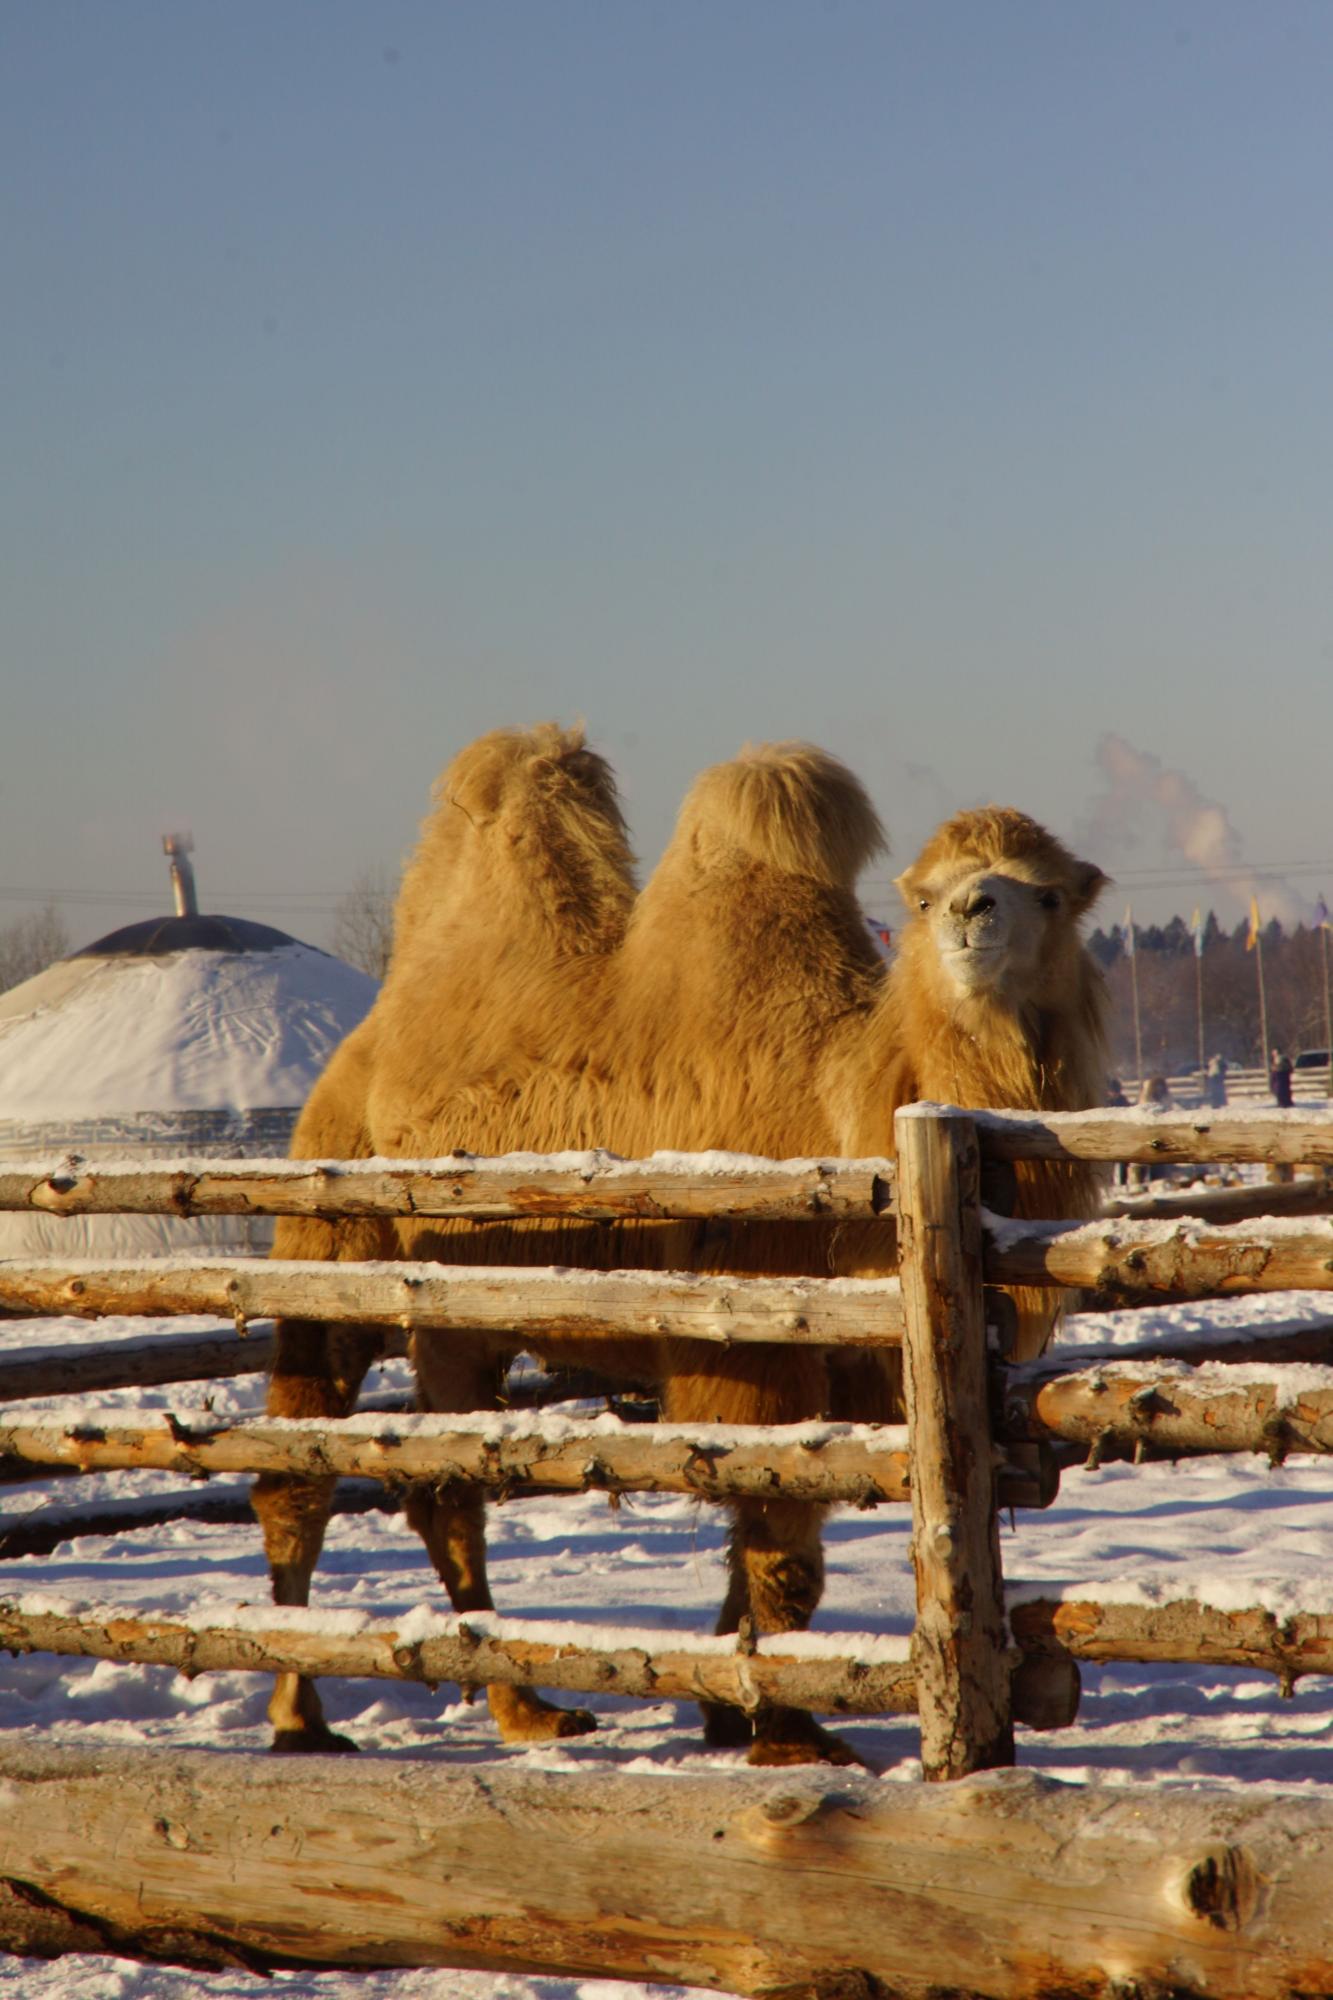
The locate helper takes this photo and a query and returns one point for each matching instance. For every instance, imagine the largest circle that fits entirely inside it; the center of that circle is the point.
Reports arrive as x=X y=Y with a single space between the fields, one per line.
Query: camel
x=740 y=1003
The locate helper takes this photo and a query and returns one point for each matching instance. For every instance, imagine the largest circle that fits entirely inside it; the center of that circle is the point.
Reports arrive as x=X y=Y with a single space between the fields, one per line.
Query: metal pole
x=1327 y=1019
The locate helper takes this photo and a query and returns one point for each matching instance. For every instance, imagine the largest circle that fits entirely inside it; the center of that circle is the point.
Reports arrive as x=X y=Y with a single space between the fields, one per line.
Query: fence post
x=961 y=1650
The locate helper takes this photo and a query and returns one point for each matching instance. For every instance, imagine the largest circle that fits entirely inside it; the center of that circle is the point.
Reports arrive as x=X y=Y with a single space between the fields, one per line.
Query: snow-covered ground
x=1222 y=1525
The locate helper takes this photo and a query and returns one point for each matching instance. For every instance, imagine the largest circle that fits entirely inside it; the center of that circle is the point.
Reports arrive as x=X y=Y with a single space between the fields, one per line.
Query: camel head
x=993 y=907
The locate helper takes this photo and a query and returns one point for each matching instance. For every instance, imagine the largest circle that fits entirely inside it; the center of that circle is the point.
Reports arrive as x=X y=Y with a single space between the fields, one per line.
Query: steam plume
x=1193 y=827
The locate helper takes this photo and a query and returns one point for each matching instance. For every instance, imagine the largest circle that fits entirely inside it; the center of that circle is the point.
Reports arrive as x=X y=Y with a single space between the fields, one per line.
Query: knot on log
x=1220 y=1888
x=1275 y=1437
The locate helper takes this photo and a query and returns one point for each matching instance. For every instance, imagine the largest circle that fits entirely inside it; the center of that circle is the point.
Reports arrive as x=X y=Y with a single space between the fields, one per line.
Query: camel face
x=991 y=930
x=993 y=903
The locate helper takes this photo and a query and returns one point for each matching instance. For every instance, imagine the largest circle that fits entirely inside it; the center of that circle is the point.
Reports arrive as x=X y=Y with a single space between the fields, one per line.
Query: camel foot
x=726 y=1728
x=523 y=1717
x=798 y=1739
x=312 y=1740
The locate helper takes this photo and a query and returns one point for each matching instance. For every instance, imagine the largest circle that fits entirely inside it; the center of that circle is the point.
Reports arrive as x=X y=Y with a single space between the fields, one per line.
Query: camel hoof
x=312 y=1741
x=536 y=1721
x=812 y=1746
x=575 y=1722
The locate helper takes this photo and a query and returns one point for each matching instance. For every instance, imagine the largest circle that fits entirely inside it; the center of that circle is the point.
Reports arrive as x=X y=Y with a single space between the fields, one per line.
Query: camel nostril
x=977 y=906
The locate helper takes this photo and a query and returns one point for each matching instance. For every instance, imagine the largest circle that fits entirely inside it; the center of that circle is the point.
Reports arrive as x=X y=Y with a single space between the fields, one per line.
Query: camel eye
x=923 y=902
x=1049 y=899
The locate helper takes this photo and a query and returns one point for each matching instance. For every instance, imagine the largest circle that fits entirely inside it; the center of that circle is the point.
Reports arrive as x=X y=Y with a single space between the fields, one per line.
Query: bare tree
x=31 y=944
x=363 y=923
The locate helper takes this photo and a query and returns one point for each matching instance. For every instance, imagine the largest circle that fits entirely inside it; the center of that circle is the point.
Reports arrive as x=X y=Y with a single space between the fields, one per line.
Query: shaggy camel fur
x=744 y=1008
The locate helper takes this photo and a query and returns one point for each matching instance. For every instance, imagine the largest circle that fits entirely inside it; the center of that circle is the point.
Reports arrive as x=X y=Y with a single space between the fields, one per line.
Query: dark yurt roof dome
x=154 y=937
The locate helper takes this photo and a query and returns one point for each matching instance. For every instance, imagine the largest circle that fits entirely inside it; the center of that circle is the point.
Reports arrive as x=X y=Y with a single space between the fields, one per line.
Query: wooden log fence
x=823 y=1463
x=1006 y=1886
x=970 y=1673
x=595 y=1186
x=790 y=1669
x=1187 y=1259
x=1171 y=1411
x=530 y=1304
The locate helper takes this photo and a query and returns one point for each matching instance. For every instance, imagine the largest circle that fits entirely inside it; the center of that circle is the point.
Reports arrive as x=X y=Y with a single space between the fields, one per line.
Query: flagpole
x=1196 y=933
x=1263 y=1004
x=1134 y=991
x=1327 y=1019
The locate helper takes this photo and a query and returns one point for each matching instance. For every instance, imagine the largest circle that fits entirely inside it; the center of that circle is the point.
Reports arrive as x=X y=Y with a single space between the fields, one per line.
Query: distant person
x=1279 y=1079
x=1115 y=1094
x=1215 y=1083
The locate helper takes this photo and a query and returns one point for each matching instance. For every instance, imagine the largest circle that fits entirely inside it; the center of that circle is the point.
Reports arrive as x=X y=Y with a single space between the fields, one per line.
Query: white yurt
x=184 y=1035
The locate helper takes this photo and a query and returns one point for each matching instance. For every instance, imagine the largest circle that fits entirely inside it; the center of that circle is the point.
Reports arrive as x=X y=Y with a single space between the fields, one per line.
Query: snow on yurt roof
x=163 y=1024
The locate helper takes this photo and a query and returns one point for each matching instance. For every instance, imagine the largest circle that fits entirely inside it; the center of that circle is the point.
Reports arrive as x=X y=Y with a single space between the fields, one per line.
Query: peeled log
x=1004 y=1886
x=472 y=1650
x=1172 y=1411
x=827 y=1463
x=597 y=1186
x=1171 y=1138
x=1312 y=1194
x=573 y=1305
x=1183 y=1631
x=1188 y=1259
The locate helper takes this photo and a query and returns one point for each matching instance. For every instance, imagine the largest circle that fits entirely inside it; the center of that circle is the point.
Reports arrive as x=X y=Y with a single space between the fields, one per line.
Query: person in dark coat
x=1279 y=1079
x=1215 y=1083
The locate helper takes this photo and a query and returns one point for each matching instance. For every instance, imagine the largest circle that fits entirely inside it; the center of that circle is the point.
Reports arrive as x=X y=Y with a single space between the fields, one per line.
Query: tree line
x=1225 y=974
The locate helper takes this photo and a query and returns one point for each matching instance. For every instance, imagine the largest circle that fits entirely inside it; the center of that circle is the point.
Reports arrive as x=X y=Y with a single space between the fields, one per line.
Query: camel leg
x=317 y=1372
x=455 y=1375
x=775 y=1546
x=775 y=1573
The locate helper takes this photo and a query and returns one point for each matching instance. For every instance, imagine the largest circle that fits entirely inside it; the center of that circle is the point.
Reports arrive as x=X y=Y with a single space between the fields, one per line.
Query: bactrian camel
x=531 y=1003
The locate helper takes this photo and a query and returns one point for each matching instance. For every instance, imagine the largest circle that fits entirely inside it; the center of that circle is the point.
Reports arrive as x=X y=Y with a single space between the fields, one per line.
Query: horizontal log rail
x=1170 y=1410
x=819 y=1462
x=1005 y=1886
x=130 y=1364
x=1187 y=1258
x=596 y=1186
x=1311 y=1194
x=1183 y=1631
x=39 y=1532
x=1163 y=1138
x=574 y=1305
x=478 y=1649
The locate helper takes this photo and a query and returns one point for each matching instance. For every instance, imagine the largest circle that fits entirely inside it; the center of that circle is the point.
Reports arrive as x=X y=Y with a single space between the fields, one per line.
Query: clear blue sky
x=948 y=383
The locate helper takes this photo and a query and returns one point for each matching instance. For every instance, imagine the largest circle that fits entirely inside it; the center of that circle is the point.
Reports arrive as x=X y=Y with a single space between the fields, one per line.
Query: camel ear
x=905 y=884
x=1089 y=881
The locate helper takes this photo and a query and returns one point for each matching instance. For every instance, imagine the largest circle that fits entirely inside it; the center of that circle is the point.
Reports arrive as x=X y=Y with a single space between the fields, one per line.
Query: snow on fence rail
x=967 y=1678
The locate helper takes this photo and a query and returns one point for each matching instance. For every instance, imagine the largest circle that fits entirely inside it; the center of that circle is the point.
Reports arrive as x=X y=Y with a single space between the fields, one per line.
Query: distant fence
x=980 y=1433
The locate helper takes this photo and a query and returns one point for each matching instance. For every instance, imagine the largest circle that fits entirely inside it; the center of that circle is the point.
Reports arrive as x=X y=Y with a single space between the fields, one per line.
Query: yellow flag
x=1252 y=934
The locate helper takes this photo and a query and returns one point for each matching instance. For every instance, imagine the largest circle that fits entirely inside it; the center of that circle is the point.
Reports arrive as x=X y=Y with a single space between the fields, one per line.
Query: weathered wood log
x=869 y=1676
x=1299 y=1338
x=532 y=1304
x=1171 y=1410
x=960 y=1648
x=1310 y=1194
x=128 y=1364
x=788 y=1886
x=1169 y=1137
x=1183 y=1630
x=37 y=1533
x=831 y=1463
x=594 y=1186
x=1189 y=1259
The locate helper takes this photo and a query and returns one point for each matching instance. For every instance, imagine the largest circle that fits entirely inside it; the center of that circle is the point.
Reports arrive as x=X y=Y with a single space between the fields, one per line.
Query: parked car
x=1311 y=1059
